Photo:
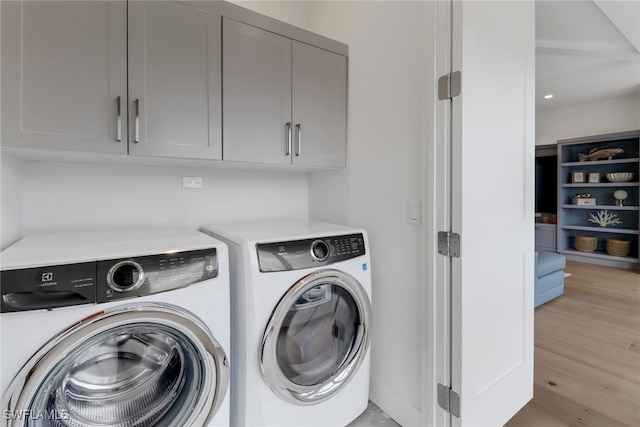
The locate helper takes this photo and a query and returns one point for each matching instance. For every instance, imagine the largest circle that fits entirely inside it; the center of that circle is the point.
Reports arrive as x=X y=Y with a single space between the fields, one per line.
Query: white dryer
x=301 y=314
x=115 y=328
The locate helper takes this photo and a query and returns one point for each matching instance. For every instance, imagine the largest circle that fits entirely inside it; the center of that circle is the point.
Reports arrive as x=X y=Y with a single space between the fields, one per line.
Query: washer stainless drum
x=118 y=328
x=301 y=313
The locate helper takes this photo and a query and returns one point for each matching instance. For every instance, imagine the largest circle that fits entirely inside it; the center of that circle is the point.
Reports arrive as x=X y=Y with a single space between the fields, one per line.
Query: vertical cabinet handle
x=136 y=137
x=118 y=120
x=287 y=128
x=299 y=132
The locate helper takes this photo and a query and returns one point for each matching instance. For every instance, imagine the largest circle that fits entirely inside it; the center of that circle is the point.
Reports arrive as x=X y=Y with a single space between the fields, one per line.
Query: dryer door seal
x=134 y=365
x=317 y=337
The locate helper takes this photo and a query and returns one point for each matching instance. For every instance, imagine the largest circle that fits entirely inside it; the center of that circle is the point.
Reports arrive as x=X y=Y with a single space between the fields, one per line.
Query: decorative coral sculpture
x=604 y=218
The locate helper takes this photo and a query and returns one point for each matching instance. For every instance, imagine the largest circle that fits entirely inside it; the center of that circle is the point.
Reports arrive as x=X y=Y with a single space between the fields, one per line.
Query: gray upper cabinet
x=64 y=78
x=63 y=69
x=170 y=79
x=284 y=101
x=256 y=67
x=319 y=107
x=174 y=81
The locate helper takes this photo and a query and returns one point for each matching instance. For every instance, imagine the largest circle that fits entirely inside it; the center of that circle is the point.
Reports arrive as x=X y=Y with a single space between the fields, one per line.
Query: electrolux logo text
x=47 y=280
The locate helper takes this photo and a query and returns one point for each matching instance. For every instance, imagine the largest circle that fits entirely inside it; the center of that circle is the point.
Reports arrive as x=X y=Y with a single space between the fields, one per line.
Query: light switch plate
x=415 y=211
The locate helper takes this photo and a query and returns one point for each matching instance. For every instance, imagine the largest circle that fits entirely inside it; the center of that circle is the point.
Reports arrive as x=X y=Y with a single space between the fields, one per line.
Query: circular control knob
x=319 y=250
x=125 y=276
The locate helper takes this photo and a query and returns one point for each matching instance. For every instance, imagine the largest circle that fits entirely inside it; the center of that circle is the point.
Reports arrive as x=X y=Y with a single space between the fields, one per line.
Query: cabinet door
x=319 y=107
x=174 y=81
x=63 y=67
x=257 y=95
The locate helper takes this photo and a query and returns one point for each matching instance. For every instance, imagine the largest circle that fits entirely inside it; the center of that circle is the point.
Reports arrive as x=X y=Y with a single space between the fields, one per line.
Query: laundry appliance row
x=243 y=324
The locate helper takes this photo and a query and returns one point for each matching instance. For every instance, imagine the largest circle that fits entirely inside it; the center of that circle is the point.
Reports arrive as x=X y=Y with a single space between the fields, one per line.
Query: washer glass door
x=154 y=365
x=317 y=337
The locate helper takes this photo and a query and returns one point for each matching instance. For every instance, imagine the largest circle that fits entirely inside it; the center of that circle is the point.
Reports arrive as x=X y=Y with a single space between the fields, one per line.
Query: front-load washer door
x=317 y=337
x=136 y=365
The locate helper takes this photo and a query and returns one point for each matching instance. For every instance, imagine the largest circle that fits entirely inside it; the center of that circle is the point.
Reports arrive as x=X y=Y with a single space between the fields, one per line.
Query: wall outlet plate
x=191 y=182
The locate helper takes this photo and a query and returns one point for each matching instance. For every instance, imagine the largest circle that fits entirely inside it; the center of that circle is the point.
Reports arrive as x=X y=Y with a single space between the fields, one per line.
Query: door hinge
x=449 y=244
x=449 y=85
x=449 y=400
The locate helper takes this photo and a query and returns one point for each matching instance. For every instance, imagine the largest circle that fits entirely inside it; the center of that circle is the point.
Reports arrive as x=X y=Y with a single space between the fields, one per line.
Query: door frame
x=436 y=191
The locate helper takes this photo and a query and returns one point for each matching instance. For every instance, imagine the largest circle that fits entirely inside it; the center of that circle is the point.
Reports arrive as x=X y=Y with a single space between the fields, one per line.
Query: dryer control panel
x=308 y=253
x=147 y=275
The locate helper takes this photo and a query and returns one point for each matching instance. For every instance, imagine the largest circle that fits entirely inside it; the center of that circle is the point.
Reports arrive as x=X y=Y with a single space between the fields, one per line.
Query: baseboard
x=393 y=405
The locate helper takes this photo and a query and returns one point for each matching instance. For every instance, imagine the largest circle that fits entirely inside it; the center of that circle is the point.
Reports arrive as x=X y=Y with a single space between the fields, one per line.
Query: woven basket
x=586 y=243
x=618 y=247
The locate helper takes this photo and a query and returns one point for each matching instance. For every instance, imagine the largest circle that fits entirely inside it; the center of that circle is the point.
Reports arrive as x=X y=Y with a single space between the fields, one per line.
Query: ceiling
x=586 y=51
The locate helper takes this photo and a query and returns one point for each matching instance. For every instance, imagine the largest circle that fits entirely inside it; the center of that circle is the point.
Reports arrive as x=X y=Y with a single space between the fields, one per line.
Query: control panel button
x=319 y=250
x=125 y=276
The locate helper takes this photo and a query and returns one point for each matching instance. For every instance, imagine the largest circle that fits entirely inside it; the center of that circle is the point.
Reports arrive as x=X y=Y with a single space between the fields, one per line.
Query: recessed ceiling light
x=548 y=96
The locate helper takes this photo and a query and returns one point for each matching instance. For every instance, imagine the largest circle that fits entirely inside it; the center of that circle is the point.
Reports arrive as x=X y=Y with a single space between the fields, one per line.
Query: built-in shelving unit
x=590 y=176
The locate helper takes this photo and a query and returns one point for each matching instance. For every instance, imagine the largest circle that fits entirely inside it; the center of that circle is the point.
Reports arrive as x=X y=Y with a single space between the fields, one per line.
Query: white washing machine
x=300 y=319
x=115 y=328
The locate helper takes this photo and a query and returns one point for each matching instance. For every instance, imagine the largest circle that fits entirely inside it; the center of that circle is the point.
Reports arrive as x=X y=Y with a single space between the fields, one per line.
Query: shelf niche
x=573 y=219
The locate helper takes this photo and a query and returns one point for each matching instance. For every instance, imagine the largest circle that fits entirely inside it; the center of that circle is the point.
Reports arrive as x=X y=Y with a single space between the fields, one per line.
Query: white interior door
x=492 y=210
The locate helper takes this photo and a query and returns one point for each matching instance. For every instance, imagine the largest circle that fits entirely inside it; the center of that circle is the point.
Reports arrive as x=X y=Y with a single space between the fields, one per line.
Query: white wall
x=612 y=115
x=78 y=196
x=385 y=134
x=11 y=203
x=294 y=12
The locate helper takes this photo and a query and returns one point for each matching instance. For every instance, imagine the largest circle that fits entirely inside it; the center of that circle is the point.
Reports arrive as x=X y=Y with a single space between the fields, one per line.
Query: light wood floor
x=587 y=352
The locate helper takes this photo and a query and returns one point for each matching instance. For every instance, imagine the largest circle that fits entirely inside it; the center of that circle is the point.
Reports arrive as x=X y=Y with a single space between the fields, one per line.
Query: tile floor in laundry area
x=373 y=416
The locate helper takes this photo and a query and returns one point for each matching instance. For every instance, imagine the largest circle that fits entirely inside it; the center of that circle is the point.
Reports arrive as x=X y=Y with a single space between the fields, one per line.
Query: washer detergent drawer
x=48 y=287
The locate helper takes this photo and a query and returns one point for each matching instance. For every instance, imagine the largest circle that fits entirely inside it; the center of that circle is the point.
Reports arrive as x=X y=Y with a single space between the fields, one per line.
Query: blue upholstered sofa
x=549 y=282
